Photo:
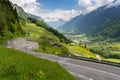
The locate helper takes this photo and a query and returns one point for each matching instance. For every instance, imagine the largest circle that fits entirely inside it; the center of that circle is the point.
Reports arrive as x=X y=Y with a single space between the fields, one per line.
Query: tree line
x=42 y=24
x=9 y=21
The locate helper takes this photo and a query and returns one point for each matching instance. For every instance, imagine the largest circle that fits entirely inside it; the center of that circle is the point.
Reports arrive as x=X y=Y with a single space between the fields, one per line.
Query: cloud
x=115 y=3
x=88 y=5
x=59 y=15
x=30 y=6
x=36 y=8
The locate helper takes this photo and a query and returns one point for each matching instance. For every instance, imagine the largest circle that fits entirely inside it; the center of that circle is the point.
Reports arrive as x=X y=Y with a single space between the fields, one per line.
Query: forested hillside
x=9 y=22
x=112 y=30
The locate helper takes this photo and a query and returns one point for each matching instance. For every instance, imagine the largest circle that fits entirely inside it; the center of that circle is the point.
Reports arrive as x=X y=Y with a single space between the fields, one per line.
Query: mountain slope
x=49 y=39
x=39 y=22
x=112 y=30
x=42 y=24
x=92 y=22
x=20 y=11
x=16 y=65
x=9 y=22
x=23 y=15
x=34 y=16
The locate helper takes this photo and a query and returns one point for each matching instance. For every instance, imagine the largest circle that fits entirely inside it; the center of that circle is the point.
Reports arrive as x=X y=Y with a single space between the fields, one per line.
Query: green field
x=48 y=43
x=81 y=51
x=113 y=60
x=88 y=47
x=16 y=65
x=36 y=32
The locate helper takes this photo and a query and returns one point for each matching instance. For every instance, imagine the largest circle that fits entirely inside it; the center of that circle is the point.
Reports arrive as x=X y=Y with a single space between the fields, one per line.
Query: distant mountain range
x=22 y=14
x=94 y=22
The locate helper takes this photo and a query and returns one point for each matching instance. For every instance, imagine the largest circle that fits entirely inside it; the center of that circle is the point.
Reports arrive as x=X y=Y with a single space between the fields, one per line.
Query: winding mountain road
x=82 y=70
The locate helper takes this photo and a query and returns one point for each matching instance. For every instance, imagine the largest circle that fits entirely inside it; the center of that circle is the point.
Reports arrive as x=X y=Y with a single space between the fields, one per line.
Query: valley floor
x=85 y=47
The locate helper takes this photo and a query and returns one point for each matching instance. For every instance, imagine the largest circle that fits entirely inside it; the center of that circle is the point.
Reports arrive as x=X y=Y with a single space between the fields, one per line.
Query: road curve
x=82 y=70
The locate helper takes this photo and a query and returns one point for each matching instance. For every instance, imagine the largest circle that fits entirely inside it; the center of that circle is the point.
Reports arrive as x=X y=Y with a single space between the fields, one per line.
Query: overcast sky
x=57 y=10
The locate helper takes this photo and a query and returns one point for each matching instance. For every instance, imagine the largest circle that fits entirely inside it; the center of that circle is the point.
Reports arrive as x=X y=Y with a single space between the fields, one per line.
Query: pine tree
x=9 y=21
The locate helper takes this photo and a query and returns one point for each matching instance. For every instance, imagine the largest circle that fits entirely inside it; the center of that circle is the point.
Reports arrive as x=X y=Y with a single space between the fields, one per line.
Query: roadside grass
x=3 y=39
x=106 y=49
x=16 y=65
x=112 y=60
x=9 y=36
x=48 y=43
x=81 y=51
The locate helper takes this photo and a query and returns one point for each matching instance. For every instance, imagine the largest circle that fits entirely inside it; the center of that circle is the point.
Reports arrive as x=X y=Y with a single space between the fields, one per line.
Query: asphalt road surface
x=82 y=70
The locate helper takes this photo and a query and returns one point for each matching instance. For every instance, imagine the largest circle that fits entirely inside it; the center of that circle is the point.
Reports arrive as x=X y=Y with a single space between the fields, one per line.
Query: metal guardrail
x=92 y=60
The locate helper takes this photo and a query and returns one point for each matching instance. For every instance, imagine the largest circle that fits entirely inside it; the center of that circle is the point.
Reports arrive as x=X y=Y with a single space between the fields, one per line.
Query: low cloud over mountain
x=83 y=6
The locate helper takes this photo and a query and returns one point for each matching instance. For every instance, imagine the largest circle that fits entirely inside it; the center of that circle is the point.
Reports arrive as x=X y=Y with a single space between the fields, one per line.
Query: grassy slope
x=37 y=32
x=113 y=60
x=77 y=50
x=16 y=65
x=81 y=51
x=46 y=40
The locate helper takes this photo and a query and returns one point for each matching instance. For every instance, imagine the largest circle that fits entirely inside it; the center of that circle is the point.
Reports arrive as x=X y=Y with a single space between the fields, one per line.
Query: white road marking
x=64 y=62
x=112 y=74
x=80 y=66
x=80 y=76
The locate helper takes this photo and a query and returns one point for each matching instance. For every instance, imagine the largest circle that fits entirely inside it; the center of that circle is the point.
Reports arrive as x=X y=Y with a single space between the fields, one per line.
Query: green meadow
x=48 y=42
x=16 y=65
